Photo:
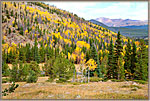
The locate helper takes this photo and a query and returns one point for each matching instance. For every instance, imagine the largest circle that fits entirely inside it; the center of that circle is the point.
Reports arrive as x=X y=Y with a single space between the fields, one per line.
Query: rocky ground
x=92 y=90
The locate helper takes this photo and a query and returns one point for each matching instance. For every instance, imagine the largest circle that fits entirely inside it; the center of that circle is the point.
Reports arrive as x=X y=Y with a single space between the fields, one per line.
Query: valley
x=51 y=53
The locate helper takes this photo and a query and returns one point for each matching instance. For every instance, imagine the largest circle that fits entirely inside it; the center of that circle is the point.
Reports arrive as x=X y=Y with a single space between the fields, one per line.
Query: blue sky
x=95 y=9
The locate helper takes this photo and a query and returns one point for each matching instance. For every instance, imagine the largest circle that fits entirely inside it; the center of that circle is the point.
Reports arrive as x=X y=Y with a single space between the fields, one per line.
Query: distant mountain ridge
x=128 y=31
x=121 y=22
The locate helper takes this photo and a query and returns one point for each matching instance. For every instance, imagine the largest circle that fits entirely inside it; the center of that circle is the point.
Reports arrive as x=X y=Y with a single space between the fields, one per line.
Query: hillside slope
x=53 y=31
x=22 y=22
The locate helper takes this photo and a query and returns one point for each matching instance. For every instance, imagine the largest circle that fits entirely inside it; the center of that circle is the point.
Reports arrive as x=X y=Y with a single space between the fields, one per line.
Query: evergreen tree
x=5 y=5
x=64 y=68
x=12 y=13
x=28 y=25
x=33 y=66
x=133 y=58
x=9 y=30
x=14 y=4
x=22 y=54
x=32 y=77
x=36 y=51
x=141 y=71
x=42 y=53
x=21 y=31
x=4 y=56
x=93 y=52
x=87 y=55
x=23 y=71
x=103 y=66
x=5 y=69
x=28 y=53
x=14 y=72
x=110 y=66
x=127 y=58
x=49 y=70
x=98 y=69
x=117 y=54
x=121 y=68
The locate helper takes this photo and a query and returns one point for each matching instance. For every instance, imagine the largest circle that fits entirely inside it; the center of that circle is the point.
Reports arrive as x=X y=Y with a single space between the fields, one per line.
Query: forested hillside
x=35 y=33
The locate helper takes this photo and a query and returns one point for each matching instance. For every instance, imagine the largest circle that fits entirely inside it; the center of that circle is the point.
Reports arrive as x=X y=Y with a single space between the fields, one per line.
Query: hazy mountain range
x=121 y=22
x=137 y=30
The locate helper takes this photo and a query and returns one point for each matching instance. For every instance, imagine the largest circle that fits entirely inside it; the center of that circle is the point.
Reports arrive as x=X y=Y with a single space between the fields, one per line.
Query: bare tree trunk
x=88 y=76
x=82 y=72
x=85 y=75
x=73 y=76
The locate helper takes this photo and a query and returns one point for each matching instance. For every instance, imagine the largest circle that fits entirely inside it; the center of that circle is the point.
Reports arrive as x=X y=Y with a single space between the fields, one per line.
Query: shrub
x=10 y=89
x=35 y=67
x=63 y=68
x=115 y=80
x=140 y=81
x=23 y=71
x=32 y=77
x=131 y=86
x=5 y=69
x=49 y=70
x=95 y=79
x=50 y=80
x=59 y=81
x=76 y=83
x=5 y=80
x=14 y=72
x=19 y=72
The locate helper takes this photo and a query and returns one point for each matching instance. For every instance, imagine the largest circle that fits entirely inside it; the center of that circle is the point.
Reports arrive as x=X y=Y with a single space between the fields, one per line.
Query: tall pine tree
x=133 y=58
x=118 y=51
x=141 y=71
x=110 y=66
x=127 y=58
x=36 y=51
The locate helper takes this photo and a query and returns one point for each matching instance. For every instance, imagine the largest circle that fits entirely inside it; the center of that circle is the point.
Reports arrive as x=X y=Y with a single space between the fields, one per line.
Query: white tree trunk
x=88 y=76
x=82 y=73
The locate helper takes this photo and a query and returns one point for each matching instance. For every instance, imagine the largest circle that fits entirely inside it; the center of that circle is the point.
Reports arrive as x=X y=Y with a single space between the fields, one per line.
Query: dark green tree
x=33 y=66
x=49 y=69
x=21 y=31
x=127 y=58
x=42 y=53
x=133 y=58
x=93 y=52
x=14 y=72
x=23 y=71
x=141 y=71
x=63 y=68
x=117 y=54
x=32 y=77
x=110 y=66
x=36 y=51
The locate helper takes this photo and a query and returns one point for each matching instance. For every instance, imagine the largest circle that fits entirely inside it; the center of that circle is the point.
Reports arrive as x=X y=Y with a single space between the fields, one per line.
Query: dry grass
x=95 y=90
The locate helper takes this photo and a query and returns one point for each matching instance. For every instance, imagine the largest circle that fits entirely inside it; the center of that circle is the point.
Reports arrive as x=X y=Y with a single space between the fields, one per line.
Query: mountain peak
x=121 y=22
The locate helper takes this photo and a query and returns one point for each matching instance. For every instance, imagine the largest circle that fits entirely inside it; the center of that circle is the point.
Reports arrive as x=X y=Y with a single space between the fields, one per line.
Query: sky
x=114 y=10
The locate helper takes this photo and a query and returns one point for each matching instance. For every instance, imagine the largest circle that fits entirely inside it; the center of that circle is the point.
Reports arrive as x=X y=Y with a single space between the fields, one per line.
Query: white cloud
x=91 y=10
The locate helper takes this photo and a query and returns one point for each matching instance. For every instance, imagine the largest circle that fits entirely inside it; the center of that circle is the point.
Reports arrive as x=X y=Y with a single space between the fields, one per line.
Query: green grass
x=77 y=83
x=131 y=86
x=140 y=81
x=95 y=79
